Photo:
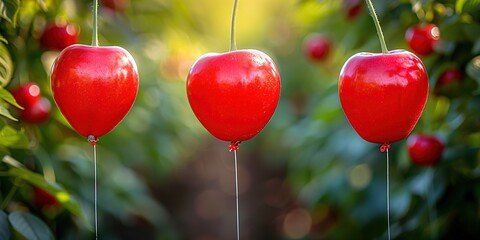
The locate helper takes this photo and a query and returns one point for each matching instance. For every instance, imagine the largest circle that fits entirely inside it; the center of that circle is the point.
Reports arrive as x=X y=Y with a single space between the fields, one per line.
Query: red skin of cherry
x=424 y=150
x=56 y=37
x=234 y=94
x=317 y=47
x=94 y=87
x=36 y=109
x=383 y=95
x=422 y=39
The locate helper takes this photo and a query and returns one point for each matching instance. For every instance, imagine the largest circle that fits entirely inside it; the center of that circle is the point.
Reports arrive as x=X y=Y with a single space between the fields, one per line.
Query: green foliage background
x=335 y=176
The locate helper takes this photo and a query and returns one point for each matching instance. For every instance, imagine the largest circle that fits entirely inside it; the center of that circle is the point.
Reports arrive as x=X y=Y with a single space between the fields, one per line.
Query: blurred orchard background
x=307 y=175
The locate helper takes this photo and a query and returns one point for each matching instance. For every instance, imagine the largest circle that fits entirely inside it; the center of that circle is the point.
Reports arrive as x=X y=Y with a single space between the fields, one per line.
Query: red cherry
x=422 y=39
x=424 y=150
x=94 y=87
x=43 y=199
x=383 y=95
x=38 y=112
x=36 y=109
x=26 y=94
x=56 y=37
x=353 y=8
x=445 y=84
x=317 y=47
x=450 y=75
x=115 y=5
x=234 y=94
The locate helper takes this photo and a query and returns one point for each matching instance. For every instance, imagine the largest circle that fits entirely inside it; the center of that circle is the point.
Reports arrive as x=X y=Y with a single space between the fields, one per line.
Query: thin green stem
x=233 y=44
x=95 y=24
x=10 y=194
x=377 y=25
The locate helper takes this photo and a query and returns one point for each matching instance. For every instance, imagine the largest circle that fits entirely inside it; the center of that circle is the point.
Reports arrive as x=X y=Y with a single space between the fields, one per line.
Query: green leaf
x=4 y=226
x=6 y=66
x=30 y=226
x=4 y=112
x=9 y=10
x=10 y=137
x=2 y=39
x=8 y=97
x=466 y=5
x=68 y=201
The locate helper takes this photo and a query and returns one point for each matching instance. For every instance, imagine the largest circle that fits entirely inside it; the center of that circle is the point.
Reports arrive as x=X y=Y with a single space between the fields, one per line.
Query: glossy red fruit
x=383 y=95
x=94 y=87
x=26 y=94
x=115 y=5
x=43 y=199
x=422 y=39
x=56 y=37
x=234 y=94
x=317 y=47
x=425 y=150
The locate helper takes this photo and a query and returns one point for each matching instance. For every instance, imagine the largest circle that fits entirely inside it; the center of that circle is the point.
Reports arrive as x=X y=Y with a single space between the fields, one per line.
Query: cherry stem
x=236 y=194
x=233 y=44
x=371 y=9
x=93 y=141
x=388 y=194
x=95 y=24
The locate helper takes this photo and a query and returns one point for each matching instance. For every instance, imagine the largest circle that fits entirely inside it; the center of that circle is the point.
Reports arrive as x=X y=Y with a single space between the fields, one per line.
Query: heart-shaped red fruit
x=234 y=94
x=425 y=150
x=56 y=37
x=94 y=87
x=383 y=95
x=422 y=39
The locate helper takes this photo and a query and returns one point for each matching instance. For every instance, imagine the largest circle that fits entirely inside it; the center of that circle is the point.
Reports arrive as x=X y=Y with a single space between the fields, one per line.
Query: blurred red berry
x=353 y=8
x=37 y=113
x=422 y=39
x=26 y=94
x=317 y=47
x=36 y=109
x=425 y=150
x=56 y=37
x=450 y=75
x=43 y=199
